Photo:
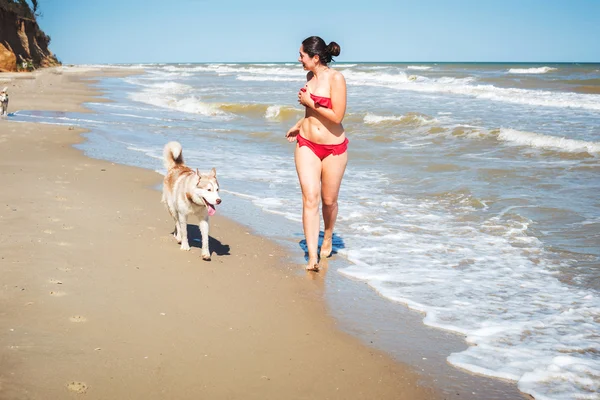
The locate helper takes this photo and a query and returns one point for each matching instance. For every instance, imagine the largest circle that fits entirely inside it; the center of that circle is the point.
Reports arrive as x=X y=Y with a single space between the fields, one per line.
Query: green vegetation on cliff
x=21 y=8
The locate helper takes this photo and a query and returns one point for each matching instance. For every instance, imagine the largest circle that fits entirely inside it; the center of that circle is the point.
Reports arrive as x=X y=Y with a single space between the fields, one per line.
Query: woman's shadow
x=337 y=244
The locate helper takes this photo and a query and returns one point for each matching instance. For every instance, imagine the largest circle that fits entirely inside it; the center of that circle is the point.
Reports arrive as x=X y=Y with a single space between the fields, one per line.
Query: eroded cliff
x=23 y=45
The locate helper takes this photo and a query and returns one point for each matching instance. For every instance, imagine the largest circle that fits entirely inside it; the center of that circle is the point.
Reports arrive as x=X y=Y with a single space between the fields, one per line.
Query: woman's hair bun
x=315 y=46
x=334 y=49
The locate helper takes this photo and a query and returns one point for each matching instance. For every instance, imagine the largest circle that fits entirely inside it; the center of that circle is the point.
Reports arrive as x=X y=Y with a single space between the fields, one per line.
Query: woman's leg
x=308 y=166
x=333 y=168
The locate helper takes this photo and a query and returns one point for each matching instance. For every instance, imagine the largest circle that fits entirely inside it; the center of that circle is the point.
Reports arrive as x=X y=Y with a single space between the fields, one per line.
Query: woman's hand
x=292 y=133
x=304 y=96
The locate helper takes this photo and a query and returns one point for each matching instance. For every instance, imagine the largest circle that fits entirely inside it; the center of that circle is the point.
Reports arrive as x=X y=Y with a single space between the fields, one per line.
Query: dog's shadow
x=215 y=246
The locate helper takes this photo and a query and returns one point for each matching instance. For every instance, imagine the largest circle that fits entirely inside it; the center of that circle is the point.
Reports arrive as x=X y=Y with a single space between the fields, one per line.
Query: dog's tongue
x=211 y=209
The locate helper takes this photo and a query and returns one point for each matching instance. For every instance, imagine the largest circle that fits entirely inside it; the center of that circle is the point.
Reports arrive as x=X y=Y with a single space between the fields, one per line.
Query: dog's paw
x=185 y=246
x=206 y=257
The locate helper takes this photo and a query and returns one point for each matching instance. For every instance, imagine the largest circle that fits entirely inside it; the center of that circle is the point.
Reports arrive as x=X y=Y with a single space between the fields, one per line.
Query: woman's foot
x=313 y=265
x=326 y=247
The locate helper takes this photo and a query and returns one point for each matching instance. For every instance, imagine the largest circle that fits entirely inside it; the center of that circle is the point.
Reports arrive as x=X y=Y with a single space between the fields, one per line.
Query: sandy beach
x=98 y=302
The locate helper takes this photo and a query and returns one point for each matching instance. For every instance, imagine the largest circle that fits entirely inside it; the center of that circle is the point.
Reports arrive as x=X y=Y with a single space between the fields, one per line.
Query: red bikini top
x=319 y=100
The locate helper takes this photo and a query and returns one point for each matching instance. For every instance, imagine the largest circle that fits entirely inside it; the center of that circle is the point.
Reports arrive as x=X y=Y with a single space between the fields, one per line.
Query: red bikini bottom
x=323 y=150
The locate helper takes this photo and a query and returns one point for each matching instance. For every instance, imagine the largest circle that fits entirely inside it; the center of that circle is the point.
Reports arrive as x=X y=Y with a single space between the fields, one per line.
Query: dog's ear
x=213 y=172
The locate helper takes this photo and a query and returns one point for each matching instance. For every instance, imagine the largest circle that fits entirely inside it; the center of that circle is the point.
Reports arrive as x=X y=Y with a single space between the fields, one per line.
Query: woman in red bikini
x=320 y=154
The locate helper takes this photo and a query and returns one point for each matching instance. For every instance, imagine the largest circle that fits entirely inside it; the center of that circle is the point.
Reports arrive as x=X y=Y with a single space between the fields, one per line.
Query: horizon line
x=339 y=62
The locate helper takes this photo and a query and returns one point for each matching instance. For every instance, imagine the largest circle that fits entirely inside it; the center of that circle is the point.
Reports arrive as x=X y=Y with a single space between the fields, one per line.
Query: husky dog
x=4 y=102
x=186 y=192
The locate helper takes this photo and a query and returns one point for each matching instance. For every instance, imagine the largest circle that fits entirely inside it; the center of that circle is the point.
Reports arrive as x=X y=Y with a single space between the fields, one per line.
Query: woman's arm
x=295 y=130
x=338 y=100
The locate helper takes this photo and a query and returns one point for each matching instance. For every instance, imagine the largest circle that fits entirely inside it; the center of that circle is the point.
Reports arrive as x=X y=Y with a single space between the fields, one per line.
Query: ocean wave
x=542 y=141
x=142 y=117
x=539 y=70
x=279 y=113
x=251 y=109
x=123 y=107
x=419 y=67
x=468 y=131
x=373 y=119
x=270 y=78
x=161 y=75
x=533 y=97
x=191 y=105
x=402 y=80
x=406 y=119
x=169 y=87
x=258 y=110
x=245 y=69
x=78 y=68
x=394 y=78
x=466 y=87
x=376 y=79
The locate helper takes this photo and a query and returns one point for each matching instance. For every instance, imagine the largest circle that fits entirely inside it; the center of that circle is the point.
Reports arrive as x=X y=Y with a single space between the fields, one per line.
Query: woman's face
x=307 y=61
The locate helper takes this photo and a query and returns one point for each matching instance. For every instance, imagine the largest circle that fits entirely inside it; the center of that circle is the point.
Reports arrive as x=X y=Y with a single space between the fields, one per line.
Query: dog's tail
x=172 y=154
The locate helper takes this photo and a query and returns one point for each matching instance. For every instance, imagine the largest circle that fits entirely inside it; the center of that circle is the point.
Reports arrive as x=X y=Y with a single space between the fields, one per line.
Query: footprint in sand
x=77 y=387
x=55 y=281
x=57 y=293
x=68 y=228
x=64 y=269
x=54 y=219
x=78 y=318
x=48 y=232
x=63 y=244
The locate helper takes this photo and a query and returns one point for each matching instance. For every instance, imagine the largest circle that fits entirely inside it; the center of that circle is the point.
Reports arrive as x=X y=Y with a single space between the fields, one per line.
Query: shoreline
x=98 y=299
x=354 y=318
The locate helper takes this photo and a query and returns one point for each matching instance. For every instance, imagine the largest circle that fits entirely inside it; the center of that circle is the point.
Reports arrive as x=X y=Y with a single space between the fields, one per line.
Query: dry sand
x=98 y=302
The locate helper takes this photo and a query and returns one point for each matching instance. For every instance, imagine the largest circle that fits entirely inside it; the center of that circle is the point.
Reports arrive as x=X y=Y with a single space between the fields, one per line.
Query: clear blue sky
x=139 y=31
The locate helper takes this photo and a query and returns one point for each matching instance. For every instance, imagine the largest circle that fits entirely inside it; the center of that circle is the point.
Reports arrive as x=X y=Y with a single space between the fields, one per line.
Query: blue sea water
x=471 y=193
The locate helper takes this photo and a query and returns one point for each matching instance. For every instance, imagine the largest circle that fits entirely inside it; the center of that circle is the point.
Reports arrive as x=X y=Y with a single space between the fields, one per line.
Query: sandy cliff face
x=22 y=40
